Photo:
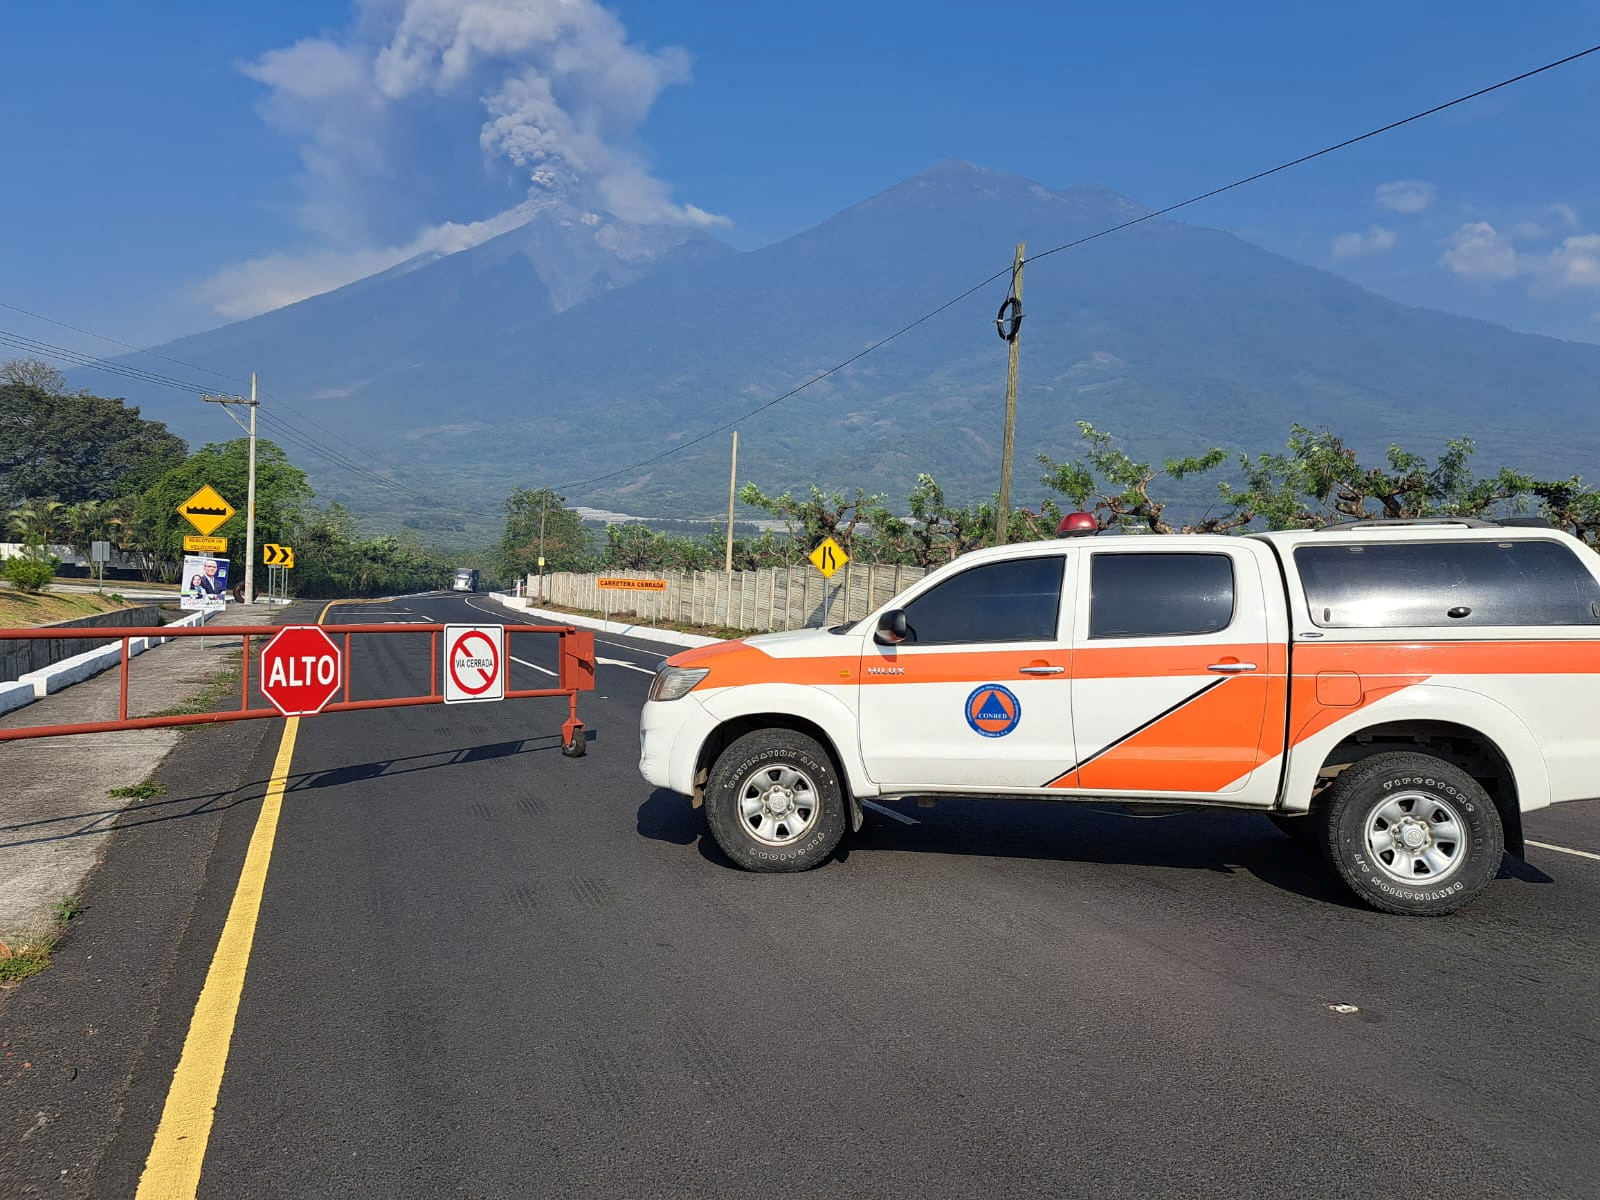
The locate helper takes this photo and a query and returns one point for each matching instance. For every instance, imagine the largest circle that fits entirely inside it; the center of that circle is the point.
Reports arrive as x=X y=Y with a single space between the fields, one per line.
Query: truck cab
x=1236 y=672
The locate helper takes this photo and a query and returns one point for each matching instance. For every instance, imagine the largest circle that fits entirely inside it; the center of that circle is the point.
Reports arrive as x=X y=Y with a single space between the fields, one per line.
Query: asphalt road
x=483 y=969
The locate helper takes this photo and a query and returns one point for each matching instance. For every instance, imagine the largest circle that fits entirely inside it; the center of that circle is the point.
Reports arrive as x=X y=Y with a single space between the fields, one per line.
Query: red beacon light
x=1077 y=525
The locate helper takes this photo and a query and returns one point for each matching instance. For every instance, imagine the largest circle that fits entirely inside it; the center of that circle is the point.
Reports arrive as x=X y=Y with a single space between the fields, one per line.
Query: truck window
x=1413 y=584
x=1159 y=595
x=1015 y=601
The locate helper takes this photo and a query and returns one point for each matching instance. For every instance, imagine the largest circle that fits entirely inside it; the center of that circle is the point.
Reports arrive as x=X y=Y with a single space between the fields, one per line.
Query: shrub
x=29 y=574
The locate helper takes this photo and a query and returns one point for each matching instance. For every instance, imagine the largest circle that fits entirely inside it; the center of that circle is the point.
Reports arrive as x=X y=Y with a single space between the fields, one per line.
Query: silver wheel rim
x=778 y=804
x=1417 y=838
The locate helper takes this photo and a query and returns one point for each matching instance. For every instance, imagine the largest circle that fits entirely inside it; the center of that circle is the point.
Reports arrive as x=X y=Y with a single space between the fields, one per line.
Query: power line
x=1326 y=150
x=283 y=428
x=117 y=342
x=1206 y=195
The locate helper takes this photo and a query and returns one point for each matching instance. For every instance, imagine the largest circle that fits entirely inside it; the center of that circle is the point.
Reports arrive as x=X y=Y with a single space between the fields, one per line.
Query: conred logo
x=993 y=710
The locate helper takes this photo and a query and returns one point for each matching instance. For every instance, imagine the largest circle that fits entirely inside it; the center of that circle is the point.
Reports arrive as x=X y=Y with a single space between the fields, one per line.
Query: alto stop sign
x=301 y=669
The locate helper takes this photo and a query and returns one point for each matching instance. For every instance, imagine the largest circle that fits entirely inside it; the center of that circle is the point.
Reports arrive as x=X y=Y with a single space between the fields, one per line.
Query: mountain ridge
x=481 y=370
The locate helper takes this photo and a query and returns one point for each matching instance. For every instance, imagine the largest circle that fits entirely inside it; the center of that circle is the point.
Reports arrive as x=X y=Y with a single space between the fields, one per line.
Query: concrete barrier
x=36 y=685
x=72 y=670
x=15 y=695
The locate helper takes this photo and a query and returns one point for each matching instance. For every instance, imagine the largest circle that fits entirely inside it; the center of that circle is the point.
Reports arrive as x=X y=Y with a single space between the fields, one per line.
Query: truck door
x=979 y=698
x=1174 y=670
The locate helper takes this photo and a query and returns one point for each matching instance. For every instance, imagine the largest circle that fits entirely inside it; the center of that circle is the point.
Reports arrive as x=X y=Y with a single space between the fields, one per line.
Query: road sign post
x=828 y=557
x=302 y=669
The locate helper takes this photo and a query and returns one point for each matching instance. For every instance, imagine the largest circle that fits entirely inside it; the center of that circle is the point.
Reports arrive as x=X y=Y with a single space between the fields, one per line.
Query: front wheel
x=774 y=802
x=1411 y=834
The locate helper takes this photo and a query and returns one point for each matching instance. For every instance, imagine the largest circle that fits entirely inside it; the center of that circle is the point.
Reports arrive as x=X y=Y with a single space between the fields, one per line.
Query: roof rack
x=1464 y=522
x=1400 y=522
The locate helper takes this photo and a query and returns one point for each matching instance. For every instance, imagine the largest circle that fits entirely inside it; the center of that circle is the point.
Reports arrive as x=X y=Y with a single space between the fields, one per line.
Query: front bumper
x=671 y=733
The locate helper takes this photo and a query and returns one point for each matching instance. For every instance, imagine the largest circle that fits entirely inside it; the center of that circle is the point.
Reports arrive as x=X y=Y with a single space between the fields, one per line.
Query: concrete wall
x=18 y=658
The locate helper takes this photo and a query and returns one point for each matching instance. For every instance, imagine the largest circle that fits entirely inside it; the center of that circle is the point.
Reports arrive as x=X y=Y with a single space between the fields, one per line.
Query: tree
x=1572 y=505
x=809 y=519
x=33 y=373
x=281 y=494
x=934 y=533
x=1321 y=479
x=567 y=545
x=77 y=447
x=1109 y=482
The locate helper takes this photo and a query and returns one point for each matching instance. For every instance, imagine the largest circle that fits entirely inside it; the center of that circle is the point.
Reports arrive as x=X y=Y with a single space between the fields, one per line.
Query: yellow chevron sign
x=277 y=556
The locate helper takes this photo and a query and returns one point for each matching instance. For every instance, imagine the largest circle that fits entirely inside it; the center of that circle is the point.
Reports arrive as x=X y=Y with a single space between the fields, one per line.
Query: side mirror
x=892 y=628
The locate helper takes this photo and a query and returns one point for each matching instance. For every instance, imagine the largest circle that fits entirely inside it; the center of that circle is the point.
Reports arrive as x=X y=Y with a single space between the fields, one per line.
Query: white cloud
x=1477 y=250
x=1576 y=262
x=1404 y=195
x=553 y=89
x=1377 y=240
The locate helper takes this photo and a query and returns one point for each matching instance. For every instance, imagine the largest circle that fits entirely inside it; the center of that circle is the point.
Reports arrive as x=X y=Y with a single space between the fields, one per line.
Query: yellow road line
x=172 y=1172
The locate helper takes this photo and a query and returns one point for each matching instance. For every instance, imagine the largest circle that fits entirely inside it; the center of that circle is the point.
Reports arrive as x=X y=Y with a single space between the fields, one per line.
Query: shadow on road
x=102 y=820
x=1223 y=843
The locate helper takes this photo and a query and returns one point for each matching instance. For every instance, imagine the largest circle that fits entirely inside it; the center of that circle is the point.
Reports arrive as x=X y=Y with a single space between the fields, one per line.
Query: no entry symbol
x=474 y=658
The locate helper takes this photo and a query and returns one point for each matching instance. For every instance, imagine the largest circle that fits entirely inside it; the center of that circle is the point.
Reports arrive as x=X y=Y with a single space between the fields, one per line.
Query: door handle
x=1040 y=670
x=1231 y=668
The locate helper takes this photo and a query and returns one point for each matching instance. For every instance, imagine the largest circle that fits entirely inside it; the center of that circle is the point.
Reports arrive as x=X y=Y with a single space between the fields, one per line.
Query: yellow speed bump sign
x=206 y=510
x=828 y=557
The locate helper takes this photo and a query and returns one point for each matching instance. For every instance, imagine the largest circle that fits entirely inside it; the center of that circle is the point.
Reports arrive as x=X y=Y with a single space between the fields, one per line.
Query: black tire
x=774 y=802
x=1453 y=848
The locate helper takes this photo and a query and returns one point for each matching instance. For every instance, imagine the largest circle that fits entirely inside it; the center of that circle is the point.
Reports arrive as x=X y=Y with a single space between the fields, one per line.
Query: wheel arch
x=1463 y=746
x=733 y=728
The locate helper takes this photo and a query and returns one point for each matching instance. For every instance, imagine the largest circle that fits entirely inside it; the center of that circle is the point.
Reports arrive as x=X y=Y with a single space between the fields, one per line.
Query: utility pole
x=250 y=490
x=1009 y=325
x=733 y=483
x=544 y=507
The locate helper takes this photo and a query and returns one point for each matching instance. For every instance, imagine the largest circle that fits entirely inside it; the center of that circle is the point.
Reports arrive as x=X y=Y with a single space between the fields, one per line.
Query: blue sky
x=173 y=166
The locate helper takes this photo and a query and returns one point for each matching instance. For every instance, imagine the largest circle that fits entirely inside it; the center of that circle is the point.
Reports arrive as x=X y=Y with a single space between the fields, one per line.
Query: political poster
x=204 y=583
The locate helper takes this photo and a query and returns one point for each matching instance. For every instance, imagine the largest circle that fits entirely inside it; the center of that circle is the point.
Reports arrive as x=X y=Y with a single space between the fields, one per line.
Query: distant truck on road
x=1397 y=693
x=465 y=580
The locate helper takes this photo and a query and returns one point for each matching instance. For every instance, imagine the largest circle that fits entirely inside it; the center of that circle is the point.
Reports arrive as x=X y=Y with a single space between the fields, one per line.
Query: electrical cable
x=283 y=428
x=1206 y=195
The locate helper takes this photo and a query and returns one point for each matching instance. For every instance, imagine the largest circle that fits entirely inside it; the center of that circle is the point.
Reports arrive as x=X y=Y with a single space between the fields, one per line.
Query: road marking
x=889 y=812
x=173 y=1168
x=617 y=662
x=535 y=666
x=1564 y=850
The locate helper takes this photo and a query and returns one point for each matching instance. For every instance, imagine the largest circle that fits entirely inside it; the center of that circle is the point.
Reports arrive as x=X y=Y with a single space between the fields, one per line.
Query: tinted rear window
x=1415 y=584
x=1160 y=595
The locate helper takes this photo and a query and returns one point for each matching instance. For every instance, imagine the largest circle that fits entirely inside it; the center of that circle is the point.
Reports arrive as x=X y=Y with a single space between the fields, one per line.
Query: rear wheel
x=774 y=802
x=1411 y=834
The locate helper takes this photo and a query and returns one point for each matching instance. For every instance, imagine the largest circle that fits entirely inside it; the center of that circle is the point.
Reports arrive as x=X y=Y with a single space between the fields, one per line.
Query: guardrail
x=576 y=667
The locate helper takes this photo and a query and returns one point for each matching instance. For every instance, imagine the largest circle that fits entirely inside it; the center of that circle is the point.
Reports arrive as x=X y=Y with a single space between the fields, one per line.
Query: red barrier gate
x=575 y=657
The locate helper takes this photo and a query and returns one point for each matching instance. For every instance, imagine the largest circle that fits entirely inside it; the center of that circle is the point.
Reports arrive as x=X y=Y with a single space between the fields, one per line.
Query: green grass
x=31 y=953
x=214 y=688
x=138 y=791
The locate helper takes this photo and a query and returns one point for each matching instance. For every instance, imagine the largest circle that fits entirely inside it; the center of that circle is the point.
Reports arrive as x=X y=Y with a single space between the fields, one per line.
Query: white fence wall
x=762 y=601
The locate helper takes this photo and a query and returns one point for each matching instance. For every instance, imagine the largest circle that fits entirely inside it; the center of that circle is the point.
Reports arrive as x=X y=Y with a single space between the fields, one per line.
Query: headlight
x=672 y=683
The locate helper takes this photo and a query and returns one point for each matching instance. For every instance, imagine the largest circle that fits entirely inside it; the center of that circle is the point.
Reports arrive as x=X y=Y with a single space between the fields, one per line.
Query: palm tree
x=38 y=523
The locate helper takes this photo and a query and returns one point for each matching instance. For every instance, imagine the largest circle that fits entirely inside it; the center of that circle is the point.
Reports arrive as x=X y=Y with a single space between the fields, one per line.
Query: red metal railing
x=575 y=674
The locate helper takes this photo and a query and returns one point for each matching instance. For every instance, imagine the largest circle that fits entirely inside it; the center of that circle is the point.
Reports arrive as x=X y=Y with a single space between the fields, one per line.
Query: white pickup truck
x=1399 y=693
